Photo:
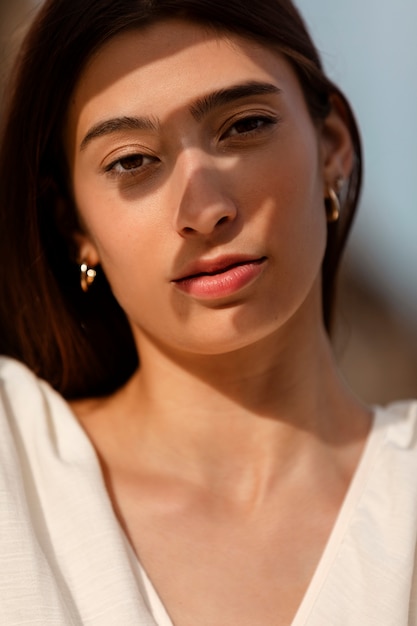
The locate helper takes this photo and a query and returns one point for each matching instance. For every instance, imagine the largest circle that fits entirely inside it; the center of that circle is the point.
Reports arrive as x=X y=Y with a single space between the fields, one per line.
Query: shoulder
x=51 y=497
x=36 y=423
x=23 y=414
x=20 y=390
x=391 y=470
x=12 y=371
x=23 y=396
x=400 y=422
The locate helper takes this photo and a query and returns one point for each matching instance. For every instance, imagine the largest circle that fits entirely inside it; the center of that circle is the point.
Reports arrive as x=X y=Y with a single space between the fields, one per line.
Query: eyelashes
x=238 y=131
x=130 y=164
x=249 y=125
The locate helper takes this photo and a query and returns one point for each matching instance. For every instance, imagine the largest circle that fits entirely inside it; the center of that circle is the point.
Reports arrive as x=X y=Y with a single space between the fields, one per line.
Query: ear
x=336 y=144
x=86 y=250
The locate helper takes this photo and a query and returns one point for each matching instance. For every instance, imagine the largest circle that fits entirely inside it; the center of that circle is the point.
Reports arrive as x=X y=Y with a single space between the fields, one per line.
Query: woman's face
x=199 y=177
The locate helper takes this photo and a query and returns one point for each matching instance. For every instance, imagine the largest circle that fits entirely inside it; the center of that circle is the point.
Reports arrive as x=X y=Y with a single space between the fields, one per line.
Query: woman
x=179 y=182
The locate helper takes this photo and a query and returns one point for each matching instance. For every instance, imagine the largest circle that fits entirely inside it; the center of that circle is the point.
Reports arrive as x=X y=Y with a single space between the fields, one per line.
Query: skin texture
x=228 y=454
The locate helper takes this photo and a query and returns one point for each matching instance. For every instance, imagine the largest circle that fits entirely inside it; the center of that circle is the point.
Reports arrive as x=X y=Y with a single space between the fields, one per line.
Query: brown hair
x=82 y=343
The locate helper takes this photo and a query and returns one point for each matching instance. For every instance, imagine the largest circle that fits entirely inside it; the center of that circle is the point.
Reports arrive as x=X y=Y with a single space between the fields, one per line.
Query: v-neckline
x=329 y=554
x=342 y=523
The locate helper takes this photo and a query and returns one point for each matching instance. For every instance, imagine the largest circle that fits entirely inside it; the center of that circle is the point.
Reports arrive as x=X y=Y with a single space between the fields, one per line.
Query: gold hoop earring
x=332 y=205
x=87 y=276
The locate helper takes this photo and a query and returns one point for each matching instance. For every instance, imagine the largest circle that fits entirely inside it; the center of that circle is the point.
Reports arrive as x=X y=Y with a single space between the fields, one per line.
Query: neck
x=241 y=418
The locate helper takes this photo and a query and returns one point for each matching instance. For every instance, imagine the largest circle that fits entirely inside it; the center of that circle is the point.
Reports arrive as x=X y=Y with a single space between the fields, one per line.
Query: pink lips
x=220 y=277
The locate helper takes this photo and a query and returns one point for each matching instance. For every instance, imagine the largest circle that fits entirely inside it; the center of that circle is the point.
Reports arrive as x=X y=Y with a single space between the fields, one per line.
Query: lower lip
x=222 y=284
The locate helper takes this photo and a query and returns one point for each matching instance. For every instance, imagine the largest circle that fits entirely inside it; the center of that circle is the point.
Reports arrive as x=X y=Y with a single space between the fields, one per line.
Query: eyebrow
x=203 y=106
x=116 y=125
x=199 y=108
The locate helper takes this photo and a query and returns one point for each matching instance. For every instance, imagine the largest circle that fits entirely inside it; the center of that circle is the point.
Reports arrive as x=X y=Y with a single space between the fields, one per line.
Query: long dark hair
x=82 y=343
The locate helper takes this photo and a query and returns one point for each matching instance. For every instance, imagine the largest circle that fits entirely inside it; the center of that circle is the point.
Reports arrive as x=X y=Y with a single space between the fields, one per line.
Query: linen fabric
x=64 y=559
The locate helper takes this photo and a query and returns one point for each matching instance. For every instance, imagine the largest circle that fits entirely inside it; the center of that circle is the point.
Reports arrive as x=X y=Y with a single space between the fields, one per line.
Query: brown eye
x=245 y=126
x=249 y=125
x=132 y=162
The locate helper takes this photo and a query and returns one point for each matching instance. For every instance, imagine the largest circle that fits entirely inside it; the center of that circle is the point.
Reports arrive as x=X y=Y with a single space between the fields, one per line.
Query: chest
x=226 y=571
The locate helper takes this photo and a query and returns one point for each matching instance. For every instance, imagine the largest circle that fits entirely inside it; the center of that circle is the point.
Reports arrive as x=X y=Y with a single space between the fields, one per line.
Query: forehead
x=162 y=67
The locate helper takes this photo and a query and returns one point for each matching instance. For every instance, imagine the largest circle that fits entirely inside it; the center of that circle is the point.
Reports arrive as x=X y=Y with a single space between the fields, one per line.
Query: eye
x=130 y=164
x=249 y=125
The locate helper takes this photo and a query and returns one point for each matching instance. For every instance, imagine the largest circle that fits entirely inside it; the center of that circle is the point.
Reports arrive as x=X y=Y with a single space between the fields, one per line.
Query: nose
x=204 y=201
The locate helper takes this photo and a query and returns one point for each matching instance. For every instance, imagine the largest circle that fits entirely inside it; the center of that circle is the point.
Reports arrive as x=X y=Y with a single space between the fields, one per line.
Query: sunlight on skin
x=204 y=191
x=206 y=213
x=192 y=170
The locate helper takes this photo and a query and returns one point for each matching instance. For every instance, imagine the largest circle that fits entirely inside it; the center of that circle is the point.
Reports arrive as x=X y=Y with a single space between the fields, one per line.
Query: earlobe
x=336 y=142
x=331 y=201
x=86 y=250
x=87 y=259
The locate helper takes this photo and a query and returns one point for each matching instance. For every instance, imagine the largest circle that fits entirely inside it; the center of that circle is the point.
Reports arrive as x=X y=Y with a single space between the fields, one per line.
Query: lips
x=221 y=277
x=215 y=266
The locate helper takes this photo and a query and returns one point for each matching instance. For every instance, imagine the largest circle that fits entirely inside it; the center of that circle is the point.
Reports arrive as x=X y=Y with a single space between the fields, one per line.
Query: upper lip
x=215 y=266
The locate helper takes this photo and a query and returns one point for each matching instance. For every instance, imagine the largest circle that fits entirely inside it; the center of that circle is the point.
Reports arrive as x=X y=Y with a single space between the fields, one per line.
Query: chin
x=218 y=339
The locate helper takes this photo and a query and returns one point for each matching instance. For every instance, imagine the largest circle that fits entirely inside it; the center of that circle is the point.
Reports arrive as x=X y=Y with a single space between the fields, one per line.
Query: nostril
x=222 y=220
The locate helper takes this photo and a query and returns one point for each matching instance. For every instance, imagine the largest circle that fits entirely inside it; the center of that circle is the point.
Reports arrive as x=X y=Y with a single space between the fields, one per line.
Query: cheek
x=283 y=194
x=127 y=239
x=131 y=255
x=302 y=234
x=288 y=212
x=111 y=220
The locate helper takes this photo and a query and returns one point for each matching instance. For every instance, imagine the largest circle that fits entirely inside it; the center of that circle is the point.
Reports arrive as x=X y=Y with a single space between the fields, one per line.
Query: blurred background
x=370 y=49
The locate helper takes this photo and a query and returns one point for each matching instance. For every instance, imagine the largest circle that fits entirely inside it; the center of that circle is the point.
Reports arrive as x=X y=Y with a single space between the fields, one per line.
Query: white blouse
x=64 y=559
